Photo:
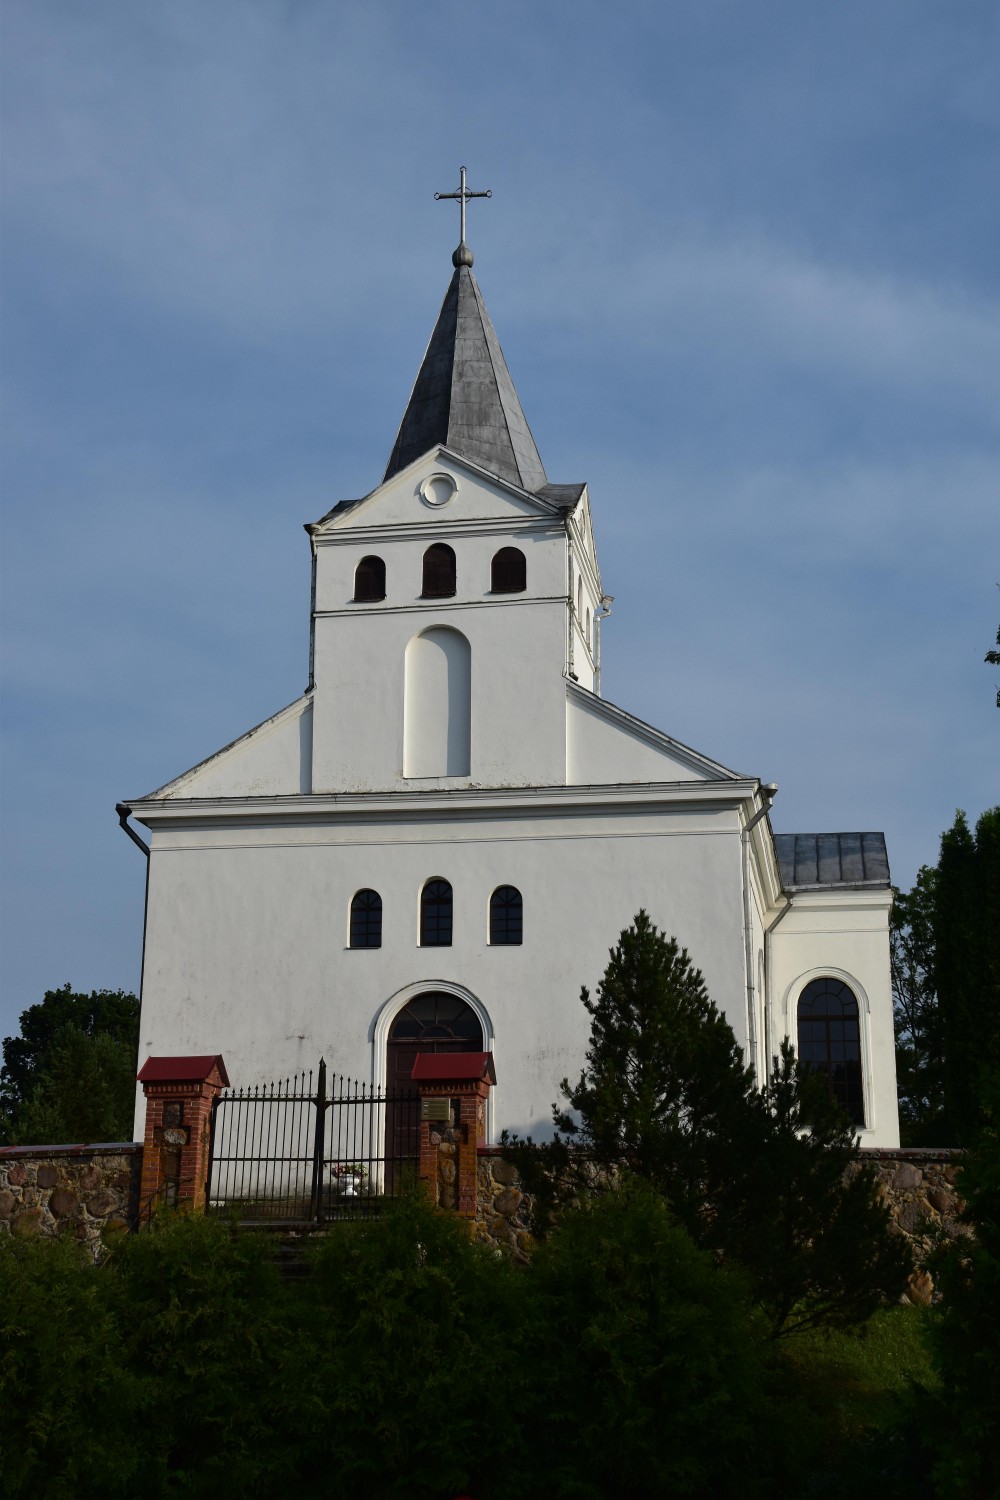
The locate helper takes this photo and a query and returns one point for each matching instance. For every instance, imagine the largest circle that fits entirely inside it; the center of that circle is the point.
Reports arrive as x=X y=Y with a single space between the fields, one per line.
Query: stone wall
x=917 y=1185
x=503 y=1209
x=75 y=1190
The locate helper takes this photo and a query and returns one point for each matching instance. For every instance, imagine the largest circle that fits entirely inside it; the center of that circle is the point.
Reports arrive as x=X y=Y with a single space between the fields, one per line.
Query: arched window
x=435 y=915
x=369 y=580
x=506 y=917
x=431 y=1022
x=508 y=574
x=830 y=1041
x=579 y=599
x=439 y=572
x=586 y=633
x=366 y=920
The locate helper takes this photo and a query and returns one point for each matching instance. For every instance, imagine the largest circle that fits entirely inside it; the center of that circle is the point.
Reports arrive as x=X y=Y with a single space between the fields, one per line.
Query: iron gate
x=292 y=1153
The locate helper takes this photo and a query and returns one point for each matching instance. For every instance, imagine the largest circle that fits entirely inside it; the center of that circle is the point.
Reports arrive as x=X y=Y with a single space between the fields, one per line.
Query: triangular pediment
x=445 y=486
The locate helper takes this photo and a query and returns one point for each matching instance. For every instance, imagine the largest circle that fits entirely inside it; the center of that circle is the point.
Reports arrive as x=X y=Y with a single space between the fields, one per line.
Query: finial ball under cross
x=463 y=255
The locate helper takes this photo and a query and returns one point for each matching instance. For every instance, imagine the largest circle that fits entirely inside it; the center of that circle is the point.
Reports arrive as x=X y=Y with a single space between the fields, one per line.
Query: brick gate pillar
x=179 y=1094
x=453 y=1087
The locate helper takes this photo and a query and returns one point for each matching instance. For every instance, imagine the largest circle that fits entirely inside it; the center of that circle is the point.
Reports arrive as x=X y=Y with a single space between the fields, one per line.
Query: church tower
x=436 y=845
x=453 y=601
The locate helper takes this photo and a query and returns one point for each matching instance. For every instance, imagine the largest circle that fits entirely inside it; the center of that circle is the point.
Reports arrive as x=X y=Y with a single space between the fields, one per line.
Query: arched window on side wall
x=366 y=920
x=830 y=1041
x=435 y=914
x=506 y=917
x=369 y=580
x=439 y=572
x=508 y=573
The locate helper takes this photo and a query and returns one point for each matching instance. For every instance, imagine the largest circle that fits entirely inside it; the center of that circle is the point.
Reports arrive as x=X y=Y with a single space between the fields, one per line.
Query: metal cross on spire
x=463 y=255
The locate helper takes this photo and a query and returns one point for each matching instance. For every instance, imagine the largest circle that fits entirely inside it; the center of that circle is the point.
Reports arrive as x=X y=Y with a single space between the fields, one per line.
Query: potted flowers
x=348 y=1177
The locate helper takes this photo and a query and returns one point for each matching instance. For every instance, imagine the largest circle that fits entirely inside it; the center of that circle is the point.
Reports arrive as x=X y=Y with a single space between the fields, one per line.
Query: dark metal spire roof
x=464 y=397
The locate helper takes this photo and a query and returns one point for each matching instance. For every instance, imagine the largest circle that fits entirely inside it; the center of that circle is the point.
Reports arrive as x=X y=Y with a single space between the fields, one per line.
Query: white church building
x=436 y=845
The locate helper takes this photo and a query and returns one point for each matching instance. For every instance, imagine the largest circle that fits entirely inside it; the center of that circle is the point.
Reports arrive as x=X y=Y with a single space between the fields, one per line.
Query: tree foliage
x=768 y=1180
x=946 y=985
x=966 y=1414
x=919 y=1043
x=70 y=1075
x=993 y=657
x=409 y=1363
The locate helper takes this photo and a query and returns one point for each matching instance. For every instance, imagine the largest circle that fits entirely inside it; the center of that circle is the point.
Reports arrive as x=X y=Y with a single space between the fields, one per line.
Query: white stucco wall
x=843 y=933
x=246 y=950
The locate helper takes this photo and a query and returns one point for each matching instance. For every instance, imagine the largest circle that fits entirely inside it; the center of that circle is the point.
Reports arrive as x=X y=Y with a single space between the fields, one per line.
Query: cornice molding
x=468 y=801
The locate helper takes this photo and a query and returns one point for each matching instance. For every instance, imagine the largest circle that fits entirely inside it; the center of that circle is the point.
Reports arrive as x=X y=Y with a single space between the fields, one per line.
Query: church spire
x=463 y=396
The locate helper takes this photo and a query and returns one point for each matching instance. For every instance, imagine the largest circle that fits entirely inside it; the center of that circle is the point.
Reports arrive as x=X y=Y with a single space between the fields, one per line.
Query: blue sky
x=742 y=258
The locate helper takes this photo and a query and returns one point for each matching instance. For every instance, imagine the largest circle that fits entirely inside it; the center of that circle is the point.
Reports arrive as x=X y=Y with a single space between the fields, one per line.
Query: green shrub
x=650 y=1374
x=69 y=1400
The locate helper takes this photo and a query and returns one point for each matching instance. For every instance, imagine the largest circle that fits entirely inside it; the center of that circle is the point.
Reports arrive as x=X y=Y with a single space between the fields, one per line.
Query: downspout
x=571 y=612
x=768 y=792
x=606 y=604
x=768 y=1039
x=124 y=813
x=310 y=685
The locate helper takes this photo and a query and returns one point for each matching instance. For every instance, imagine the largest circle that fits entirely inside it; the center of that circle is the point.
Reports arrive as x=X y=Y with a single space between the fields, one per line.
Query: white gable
x=271 y=760
x=604 y=744
x=438 y=489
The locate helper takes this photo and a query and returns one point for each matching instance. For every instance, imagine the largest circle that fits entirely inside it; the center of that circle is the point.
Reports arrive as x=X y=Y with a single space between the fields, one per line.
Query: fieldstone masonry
x=918 y=1185
x=81 y=1191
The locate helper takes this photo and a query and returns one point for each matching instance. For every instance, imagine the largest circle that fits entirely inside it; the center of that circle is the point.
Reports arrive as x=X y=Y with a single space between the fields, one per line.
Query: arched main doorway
x=433 y=1021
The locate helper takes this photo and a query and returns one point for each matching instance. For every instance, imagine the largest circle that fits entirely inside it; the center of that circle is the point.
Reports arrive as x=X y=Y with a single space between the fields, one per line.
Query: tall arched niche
x=437 y=709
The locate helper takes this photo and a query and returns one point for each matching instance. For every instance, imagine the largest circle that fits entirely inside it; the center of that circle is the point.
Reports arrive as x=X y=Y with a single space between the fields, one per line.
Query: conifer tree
x=946 y=985
x=767 y=1180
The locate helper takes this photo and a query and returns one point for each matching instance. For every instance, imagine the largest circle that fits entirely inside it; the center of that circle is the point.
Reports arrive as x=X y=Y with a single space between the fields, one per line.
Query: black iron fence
x=293 y=1152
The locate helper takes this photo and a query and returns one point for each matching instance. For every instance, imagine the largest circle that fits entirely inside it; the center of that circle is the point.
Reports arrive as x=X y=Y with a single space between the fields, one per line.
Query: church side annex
x=436 y=845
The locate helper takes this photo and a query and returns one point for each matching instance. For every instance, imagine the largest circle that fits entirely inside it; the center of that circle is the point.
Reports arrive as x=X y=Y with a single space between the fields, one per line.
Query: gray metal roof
x=564 y=495
x=464 y=397
x=827 y=859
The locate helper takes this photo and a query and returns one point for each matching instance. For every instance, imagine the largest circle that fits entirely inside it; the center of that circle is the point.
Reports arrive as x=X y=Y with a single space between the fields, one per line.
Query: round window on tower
x=437 y=489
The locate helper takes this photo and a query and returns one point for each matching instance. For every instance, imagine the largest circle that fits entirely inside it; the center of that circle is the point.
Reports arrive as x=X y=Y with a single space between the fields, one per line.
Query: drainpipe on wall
x=570 y=599
x=768 y=1040
x=124 y=813
x=768 y=792
x=606 y=604
x=312 y=608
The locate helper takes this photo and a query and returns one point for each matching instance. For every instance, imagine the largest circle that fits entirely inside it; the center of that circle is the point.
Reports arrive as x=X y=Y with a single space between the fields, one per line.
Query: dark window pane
x=366 y=920
x=369 y=580
x=437 y=1017
x=439 y=572
x=435 y=915
x=830 y=1040
x=508 y=574
x=506 y=916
